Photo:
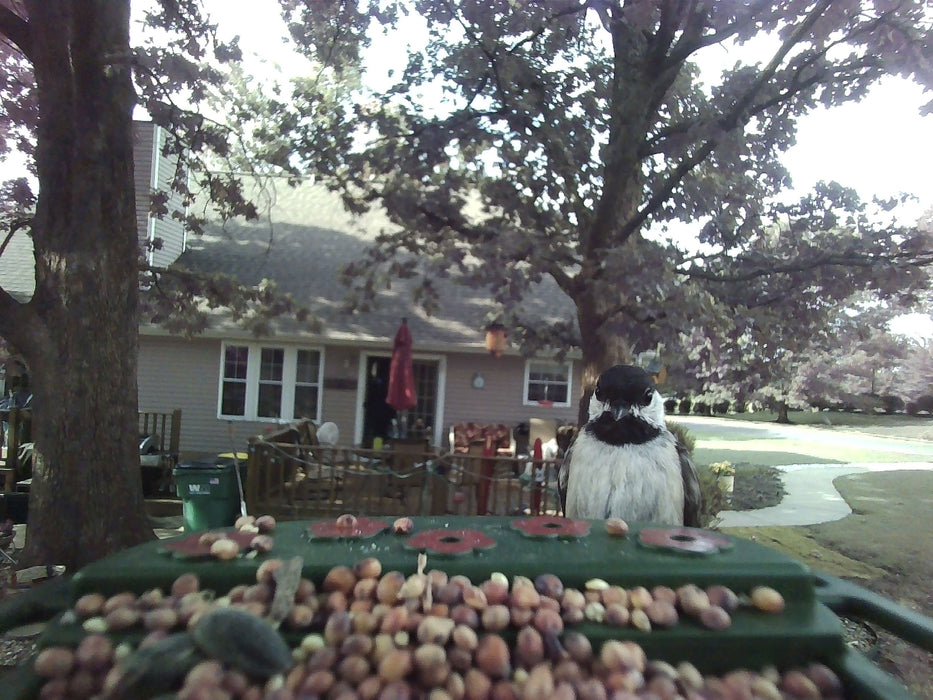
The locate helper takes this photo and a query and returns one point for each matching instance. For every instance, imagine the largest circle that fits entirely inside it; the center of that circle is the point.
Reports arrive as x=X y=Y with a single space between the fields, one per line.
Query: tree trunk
x=783 y=416
x=79 y=332
x=600 y=350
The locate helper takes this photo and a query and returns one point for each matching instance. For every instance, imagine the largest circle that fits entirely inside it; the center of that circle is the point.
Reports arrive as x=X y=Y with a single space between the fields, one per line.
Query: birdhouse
x=497 y=339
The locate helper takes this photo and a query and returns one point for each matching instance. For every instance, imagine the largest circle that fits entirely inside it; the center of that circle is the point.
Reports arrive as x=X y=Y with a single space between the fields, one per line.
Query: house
x=162 y=240
x=232 y=386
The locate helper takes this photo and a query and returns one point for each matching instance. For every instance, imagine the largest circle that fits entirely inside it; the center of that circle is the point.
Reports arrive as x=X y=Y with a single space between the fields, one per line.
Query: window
x=547 y=383
x=270 y=383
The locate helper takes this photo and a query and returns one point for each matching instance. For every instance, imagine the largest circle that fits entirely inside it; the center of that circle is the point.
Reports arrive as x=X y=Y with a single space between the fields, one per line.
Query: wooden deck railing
x=11 y=470
x=161 y=458
x=297 y=481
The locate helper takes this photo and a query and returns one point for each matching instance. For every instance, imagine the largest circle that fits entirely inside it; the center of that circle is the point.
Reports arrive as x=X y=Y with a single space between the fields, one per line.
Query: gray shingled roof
x=302 y=245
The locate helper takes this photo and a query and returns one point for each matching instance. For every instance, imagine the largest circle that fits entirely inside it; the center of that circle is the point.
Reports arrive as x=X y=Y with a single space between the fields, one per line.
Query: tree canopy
x=568 y=138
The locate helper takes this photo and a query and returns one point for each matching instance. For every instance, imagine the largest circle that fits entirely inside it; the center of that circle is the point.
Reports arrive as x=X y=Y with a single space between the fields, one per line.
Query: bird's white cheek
x=596 y=407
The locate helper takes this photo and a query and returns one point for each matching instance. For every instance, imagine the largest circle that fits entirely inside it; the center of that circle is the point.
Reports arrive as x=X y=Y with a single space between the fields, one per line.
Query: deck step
x=163 y=507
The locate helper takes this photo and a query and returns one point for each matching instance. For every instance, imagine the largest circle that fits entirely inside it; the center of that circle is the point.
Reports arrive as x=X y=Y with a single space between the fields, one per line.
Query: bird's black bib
x=629 y=430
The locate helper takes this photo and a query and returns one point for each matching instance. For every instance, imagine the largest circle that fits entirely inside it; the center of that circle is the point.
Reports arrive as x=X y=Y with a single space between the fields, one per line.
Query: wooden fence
x=291 y=479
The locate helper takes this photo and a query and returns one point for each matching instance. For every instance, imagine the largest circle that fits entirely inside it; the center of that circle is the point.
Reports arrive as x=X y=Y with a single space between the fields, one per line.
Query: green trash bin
x=209 y=493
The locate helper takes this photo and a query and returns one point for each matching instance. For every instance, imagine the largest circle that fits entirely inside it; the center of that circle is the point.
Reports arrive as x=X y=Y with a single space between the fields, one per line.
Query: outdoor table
x=576 y=551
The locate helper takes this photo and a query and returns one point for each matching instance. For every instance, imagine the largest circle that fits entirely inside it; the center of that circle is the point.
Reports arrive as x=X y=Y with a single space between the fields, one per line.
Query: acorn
x=225 y=549
x=616 y=527
x=767 y=599
x=403 y=526
x=265 y=523
x=492 y=656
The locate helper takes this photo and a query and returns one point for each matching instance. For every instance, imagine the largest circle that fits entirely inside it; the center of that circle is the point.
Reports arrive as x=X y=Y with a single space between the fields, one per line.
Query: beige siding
x=175 y=373
x=339 y=404
x=501 y=401
x=178 y=373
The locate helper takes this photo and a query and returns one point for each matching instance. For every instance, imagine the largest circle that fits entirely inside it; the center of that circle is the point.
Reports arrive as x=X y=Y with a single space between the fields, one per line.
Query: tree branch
x=903 y=260
x=14 y=227
x=739 y=114
x=16 y=29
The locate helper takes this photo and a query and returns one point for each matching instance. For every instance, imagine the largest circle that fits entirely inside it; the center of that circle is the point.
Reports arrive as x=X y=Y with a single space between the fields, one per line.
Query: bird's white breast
x=640 y=483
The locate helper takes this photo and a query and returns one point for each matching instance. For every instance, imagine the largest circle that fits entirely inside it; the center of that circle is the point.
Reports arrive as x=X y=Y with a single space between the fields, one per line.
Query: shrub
x=922 y=404
x=684 y=436
x=685 y=405
x=670 y=405
x=891 y=403
x=713 y=499
x=721 y=407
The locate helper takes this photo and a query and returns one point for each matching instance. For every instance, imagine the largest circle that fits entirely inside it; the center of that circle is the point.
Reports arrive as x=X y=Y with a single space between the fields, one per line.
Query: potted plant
x=725 y=475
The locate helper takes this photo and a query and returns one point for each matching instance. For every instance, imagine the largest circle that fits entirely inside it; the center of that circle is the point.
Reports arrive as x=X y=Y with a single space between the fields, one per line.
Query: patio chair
x=410 y=475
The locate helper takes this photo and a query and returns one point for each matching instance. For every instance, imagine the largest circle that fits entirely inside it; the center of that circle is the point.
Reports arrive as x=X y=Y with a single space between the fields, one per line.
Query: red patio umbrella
x=401 y=394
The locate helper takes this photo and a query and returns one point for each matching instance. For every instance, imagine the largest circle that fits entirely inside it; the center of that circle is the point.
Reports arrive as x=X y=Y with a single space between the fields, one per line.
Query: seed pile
x=377 y=635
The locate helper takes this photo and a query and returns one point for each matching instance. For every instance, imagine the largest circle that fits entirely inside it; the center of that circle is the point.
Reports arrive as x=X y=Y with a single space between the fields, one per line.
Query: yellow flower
x=722 y=468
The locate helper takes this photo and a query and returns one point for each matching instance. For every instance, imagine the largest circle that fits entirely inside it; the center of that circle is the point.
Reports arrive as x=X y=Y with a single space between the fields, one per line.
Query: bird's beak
x=620 y=410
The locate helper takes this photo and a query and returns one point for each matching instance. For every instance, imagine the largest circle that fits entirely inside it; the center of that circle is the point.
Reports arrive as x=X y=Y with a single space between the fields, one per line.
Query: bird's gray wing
x=693 y=498
x=563 y=474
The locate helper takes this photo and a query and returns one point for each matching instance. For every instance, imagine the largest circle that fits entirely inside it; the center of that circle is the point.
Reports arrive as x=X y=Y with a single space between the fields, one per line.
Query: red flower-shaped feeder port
x=193 y=546
x=688 y=540
x=450 y=542
x=357 y=528
x=551 y=526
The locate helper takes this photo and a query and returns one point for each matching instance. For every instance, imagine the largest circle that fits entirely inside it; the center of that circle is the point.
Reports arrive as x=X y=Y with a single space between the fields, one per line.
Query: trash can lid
x=211 y=462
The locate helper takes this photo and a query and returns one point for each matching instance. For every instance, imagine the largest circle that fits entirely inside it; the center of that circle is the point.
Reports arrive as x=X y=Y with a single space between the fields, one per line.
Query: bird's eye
x=598 y=394
x=649 y=394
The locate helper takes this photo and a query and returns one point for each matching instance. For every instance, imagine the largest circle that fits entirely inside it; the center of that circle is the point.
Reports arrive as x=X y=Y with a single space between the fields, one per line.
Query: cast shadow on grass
x=776 y=458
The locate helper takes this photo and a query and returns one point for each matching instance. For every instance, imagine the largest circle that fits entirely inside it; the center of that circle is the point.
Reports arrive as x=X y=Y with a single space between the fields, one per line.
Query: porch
x=292 y=477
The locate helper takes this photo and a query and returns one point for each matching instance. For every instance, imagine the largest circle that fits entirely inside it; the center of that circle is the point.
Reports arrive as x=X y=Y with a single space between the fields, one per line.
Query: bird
x=625 y=462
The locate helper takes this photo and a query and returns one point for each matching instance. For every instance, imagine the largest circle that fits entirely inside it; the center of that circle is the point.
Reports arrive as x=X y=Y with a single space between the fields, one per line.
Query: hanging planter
x=497 y=339
x=725 y=475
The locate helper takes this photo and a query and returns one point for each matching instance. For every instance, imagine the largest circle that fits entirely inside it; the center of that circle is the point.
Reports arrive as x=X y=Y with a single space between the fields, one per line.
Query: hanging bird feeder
x=497 y=339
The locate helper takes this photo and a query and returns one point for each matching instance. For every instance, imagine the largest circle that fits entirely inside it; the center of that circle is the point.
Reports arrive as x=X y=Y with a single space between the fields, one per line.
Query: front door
x=378 y=415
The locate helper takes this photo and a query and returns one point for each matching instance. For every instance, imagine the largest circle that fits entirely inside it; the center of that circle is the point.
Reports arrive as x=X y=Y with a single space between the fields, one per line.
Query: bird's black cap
x=623 y=382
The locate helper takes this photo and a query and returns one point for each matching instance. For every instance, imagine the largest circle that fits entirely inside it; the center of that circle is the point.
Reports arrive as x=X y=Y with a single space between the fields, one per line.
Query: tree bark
x=783 y=416
x=601 y=349
x=79 y=332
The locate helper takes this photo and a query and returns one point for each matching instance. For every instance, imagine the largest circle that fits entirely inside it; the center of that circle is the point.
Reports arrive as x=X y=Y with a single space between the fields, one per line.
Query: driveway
x=776 y=444
x=812 y=458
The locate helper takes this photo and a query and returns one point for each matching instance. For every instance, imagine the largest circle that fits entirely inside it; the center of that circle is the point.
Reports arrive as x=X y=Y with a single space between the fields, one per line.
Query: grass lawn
x=883 y=423
x=716 y=443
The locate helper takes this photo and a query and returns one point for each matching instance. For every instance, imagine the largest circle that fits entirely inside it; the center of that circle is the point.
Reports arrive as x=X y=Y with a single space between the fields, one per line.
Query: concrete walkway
x=810 y=496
